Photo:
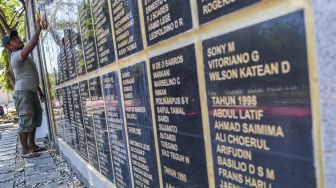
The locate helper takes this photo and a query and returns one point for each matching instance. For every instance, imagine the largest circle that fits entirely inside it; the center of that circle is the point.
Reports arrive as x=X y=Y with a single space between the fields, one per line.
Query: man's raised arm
x=32 y=42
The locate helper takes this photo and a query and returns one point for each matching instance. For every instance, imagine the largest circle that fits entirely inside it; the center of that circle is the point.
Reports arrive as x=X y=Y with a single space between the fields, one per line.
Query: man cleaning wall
x=26 y=91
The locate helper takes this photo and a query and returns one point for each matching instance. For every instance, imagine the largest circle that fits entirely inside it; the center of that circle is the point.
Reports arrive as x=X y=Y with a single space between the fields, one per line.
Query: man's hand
x=41 y=22
x=38 y=25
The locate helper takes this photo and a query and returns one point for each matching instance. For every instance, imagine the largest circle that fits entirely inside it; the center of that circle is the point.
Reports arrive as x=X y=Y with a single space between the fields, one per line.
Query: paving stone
x=8 y=145
x=7 y=149
x=5 y=158
x=8 y=142
x=9 y=135
x=35 y=163
x=8 y=138
x=6 y=135
x=9 y=184
x=6 y=177
x=39 y=169
x=41 y=178
x=10 y=152
x=9 y=132
x=54 y=185
x=6 y=169
x=7 y=163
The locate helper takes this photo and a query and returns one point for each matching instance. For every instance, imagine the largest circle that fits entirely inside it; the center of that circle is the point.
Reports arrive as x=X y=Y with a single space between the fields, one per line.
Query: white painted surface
x=43 y=131
x=6 y=98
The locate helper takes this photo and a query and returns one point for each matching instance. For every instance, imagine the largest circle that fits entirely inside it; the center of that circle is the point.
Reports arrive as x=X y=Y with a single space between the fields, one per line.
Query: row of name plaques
x=91 y=45
x=258 y=115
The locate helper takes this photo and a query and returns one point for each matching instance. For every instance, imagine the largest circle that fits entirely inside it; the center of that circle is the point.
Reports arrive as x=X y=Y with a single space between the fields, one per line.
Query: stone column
x=325 y=36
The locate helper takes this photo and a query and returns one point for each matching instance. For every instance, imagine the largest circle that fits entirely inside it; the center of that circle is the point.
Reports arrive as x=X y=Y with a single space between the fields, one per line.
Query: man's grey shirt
x=25 y=72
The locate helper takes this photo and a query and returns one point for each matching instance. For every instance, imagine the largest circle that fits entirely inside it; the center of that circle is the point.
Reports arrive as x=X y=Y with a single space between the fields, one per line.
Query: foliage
x=12 y=15
x=4 y=67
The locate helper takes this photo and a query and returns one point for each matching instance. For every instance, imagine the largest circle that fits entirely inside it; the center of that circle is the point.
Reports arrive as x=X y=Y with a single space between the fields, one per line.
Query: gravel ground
x=68 y=176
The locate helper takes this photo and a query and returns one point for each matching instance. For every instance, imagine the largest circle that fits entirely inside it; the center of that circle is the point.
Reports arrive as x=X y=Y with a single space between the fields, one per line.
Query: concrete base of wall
x=91 y=176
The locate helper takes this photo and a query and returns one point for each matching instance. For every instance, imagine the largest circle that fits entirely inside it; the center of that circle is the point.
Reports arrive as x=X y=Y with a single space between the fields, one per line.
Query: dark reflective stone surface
x=68 y=36
x=88 y=35
x=82 y=144
x=166 y=19
x=211 y=9
x=88 y=123
x=259 y=104
x=117 y=132
x=102 y=23
x=127 y=28
x=99 y=123
x=60 y=118
x=76 y=48
x=178 y=118
x=63 y=61
x=72 y=120
x=66 y=123
x=139 y=125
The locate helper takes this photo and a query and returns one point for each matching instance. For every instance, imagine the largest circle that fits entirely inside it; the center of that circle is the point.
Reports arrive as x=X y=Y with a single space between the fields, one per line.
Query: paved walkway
x=18 y=172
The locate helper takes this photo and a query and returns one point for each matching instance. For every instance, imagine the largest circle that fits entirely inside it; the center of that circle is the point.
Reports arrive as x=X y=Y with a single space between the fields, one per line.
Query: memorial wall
x=186 y=93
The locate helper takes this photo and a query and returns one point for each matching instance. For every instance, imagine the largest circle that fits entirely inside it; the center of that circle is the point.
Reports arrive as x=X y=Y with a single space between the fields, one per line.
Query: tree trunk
x=10 y=75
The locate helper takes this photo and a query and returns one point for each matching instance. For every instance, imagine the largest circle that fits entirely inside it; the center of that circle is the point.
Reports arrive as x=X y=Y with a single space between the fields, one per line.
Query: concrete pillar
x=325 y=30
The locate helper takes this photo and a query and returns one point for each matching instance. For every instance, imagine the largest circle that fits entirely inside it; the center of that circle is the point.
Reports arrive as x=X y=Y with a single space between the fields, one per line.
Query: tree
x=12 y=15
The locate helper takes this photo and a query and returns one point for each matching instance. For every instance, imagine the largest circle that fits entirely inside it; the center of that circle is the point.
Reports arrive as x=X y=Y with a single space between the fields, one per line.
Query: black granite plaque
x=258 y=92
x=178 y=118
x=69 y=53
x=75 y=40
x=72 y=120
x=59 y=112
x=99 y=122
x=88 y=35
x=69 y=104
x=77 y=50
x=64 y=103
x=127 y=28
x=67 y=117
x=211 y=9
x=57 y=107
x=117 y=133
x=64 y=63
x=165 y=19
x=82 y=144
x=59 y=70
x=139 y=126
x=102 y=23
x=88 y=123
